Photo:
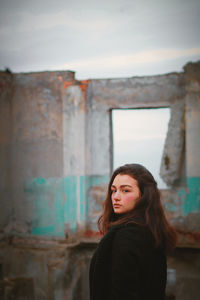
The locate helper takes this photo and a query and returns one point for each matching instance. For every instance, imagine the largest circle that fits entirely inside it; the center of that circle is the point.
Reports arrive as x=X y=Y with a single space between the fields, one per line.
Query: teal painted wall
x=55 y=201
x=191 y=201
x=187 y=199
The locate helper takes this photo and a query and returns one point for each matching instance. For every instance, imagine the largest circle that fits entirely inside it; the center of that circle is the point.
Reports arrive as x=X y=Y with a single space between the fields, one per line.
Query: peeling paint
x=83 y=84
x=186 y=199
x=55 y=203
x=191 y=203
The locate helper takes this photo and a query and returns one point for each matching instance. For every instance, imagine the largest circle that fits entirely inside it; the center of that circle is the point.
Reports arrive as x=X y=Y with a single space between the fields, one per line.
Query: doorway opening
x=139 y=136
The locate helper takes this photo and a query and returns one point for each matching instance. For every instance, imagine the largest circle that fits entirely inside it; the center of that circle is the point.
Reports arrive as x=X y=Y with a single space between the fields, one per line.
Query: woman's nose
x=117 y=195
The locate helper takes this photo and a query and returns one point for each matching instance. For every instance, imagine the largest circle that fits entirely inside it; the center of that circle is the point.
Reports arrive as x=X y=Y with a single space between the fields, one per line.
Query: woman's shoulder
x=130 y=227
x=134 y=233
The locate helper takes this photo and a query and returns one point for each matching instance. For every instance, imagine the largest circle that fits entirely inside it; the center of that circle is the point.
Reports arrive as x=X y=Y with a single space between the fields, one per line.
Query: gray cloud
x=48 y=34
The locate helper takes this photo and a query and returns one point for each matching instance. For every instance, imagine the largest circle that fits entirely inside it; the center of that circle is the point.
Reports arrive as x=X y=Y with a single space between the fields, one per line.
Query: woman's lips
x=117 y=205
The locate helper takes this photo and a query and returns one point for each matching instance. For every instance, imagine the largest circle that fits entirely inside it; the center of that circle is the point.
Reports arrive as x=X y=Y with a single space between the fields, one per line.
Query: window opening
x=139 y=136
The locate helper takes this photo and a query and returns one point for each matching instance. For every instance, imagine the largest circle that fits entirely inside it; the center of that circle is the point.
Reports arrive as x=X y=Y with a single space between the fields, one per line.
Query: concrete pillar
x=172 y=157
x=192 y=202
x=6 y=93
x=74 y=156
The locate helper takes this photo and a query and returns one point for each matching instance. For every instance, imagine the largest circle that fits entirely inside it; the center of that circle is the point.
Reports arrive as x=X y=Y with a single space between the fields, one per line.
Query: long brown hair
x=148 y=208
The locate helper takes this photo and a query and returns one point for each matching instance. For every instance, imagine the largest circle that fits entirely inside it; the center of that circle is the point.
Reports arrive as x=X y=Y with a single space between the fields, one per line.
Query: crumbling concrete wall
x=56 y=159
x=173 y=154
x=36 y=268
x=181 y=164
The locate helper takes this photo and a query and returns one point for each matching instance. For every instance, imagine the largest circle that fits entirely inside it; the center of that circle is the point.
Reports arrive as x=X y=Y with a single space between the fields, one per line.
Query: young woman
x=130 y=260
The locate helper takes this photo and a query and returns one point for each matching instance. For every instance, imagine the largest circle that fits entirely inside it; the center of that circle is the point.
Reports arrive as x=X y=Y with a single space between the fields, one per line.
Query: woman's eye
x=125 y=191
x=113 y=191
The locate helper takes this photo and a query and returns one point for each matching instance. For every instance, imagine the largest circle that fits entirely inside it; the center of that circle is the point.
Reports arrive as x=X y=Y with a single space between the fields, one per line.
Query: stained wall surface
x=56 y=159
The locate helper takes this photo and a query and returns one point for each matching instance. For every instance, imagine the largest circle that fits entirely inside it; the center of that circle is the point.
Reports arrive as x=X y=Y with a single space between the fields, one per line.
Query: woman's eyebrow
x=123 y=185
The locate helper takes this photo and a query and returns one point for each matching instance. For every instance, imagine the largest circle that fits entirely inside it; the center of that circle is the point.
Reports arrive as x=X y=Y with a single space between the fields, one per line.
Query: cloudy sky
x=99 y=39
x=106 y=39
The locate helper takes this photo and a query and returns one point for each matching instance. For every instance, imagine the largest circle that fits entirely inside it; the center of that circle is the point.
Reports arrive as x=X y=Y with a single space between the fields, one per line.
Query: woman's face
x=125 y=193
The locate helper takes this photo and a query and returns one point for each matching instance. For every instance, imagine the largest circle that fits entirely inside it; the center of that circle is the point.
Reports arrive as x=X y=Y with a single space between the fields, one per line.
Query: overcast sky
x=99 y=39
x=105 y=39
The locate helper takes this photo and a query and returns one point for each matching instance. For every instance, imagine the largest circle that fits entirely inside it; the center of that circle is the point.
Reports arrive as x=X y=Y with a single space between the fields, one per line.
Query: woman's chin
x=118 y=211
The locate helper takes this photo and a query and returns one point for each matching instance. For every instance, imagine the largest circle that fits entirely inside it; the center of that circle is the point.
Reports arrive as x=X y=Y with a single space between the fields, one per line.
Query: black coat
x=127 y=266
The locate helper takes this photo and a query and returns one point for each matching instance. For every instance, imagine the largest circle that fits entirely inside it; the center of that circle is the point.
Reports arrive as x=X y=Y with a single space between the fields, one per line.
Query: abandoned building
x=56 y=150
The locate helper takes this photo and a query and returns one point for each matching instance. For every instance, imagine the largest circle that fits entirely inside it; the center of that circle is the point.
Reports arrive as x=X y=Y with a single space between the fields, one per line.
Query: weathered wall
x=56 y=159
x=6 y=86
